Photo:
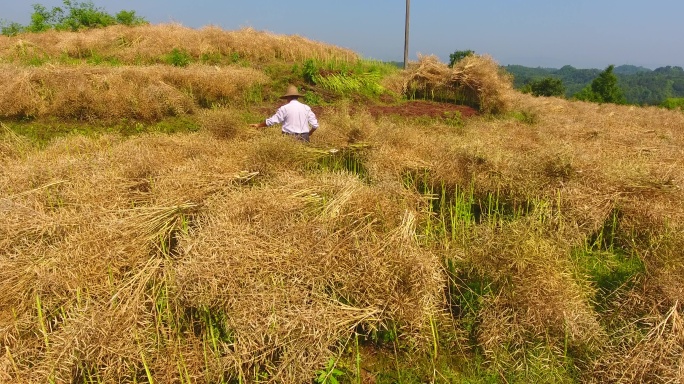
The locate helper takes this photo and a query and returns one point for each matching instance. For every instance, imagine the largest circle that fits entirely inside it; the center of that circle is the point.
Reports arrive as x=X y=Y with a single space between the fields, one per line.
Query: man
x=297 y=119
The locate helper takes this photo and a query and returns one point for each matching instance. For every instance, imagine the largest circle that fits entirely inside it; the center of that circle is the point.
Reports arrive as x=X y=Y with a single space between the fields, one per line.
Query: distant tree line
x=73 y=16
x=638 y=85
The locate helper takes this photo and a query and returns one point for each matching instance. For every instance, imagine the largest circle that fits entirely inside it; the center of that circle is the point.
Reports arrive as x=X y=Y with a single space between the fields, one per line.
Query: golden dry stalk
x=114 y=93
x=150 y=43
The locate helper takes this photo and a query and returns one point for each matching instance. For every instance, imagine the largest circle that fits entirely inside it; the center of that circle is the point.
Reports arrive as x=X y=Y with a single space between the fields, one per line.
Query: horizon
x=535 y=34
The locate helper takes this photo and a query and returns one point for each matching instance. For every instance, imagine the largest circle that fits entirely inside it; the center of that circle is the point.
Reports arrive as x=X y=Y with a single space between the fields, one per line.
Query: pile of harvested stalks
x=475 y=79
x=205 y=275
x=115 y=93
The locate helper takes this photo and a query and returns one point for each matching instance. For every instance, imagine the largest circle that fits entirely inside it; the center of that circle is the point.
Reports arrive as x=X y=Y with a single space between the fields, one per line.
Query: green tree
x=129 y=18
x=82 y=16
x=458 y=56
x=42 y=19
x=604 y=89
x=11 y=28
x=641 y=86
x=72 y=17
x=547 y=86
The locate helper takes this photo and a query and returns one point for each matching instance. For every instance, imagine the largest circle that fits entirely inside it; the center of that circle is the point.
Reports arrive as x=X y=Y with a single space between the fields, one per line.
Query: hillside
x=641 y=86
x=151 y=235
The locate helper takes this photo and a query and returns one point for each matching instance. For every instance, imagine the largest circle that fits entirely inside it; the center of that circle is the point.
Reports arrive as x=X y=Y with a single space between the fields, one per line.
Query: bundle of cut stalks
x=129 y=258
x=585 y=179
x=112 y=93
x=11 y=144
x=475 y=79
x=657 y=357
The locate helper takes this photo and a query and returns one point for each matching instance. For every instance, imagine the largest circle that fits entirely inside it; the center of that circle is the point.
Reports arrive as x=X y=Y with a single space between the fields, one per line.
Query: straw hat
x=291 y=92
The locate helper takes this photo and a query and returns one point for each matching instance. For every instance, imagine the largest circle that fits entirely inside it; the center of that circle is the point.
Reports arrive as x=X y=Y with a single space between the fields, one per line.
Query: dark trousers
x=298 y=136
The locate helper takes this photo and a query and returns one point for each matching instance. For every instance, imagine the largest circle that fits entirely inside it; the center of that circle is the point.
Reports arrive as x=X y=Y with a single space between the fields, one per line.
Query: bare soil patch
x=421 y=108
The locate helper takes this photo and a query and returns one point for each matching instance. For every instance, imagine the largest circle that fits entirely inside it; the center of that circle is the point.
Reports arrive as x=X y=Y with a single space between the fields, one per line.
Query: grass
x=178 y=58
x=611 y=272
x=344 y=79
x=348 y=159
x=526 y=117
x=611 y=267
x=42 y=132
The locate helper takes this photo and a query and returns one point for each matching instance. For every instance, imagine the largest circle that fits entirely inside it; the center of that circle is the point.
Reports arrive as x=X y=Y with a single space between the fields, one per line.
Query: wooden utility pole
x=406 y=33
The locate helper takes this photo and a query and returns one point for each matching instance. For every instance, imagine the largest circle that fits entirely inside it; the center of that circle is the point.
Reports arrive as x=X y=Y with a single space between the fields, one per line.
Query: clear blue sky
x=546 y=33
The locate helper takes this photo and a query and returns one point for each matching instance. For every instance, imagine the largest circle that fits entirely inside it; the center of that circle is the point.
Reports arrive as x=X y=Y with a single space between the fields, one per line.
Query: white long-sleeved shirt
x=295 y=117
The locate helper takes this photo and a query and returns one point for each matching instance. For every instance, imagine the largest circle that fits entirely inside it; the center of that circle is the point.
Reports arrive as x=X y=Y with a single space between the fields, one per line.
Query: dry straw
x=574 y=167
x=292 y=287
x=115 y=237
x=112 y=93
x=234 y=254
x=151 y=43
x=11 y=144
x=289 y=288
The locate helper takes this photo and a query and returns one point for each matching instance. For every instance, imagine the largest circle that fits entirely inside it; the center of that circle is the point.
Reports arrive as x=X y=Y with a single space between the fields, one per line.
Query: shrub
x=83 y=15
x=129 y=18
x=11 y=28
x=603 y=89
x=673 y=103
x=178 y=58
x=545 y=87
x=42 y=19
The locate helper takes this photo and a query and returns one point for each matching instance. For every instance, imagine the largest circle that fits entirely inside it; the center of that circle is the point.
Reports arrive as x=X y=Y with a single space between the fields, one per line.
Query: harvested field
x=538 y=243
x=419 y=108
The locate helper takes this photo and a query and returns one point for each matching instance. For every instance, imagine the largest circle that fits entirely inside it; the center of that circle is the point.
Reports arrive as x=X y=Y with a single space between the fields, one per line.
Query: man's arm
x=275 y=119
x=313 y=122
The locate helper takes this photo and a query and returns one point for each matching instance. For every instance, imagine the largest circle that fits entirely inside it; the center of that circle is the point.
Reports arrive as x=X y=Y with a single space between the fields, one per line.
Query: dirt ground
x=418 y=108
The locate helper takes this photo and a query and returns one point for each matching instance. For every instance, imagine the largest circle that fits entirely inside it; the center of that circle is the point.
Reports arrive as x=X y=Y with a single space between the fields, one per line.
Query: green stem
x=41 y=321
